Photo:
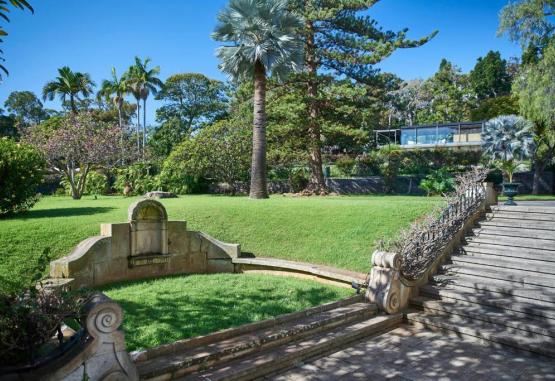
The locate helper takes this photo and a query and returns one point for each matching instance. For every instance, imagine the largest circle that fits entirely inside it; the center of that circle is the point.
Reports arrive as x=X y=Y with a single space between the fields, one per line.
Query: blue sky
x=93 y=36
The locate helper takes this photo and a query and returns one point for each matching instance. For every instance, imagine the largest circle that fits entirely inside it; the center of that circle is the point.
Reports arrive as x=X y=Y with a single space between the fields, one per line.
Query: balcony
x=456 y=135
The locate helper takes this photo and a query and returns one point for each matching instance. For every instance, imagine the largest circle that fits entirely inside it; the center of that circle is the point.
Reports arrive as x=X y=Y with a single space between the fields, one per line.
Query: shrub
x=367 y=165
x=174 y=178
x=30 y=318
x=390 y=157
x=21 y=170
x=298 y=179
x=220 y=152
x=345 y=164
x=96 y=184
x=438 y=182
x=140 y=176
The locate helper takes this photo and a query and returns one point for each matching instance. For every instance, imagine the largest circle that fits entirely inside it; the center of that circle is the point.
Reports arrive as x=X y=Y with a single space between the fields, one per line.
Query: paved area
x=550 y=204
x=411 y=353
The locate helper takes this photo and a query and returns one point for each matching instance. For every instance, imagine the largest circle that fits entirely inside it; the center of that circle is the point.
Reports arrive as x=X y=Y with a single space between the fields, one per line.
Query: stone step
x=509 y=275
x=528 y=243
x=503 y=231
x=496 y=251
x=495 y=286
x=493 y=298
x=518 y=224
x=523 y=209
x=193 y=358
x=523 y=265
x=485 y=331
x=258 y=365
x=521 y=216
x=515 y=320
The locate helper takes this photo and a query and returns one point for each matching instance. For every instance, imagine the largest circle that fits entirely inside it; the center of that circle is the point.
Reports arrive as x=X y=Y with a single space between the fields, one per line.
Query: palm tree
x=68 y=84
x=144 y=81
x=114 y=91
x=262 y=39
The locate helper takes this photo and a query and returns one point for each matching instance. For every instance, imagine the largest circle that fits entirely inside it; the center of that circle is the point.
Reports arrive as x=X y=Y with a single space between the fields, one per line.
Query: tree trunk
x=317 y=182
x=120 y=121
x=72 y=104
x=138 y=127
x=144 y=126
x=258 y=187
x=539 y=168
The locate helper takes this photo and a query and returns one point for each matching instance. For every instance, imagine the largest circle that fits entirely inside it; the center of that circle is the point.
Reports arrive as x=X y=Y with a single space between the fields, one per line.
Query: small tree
x=79 y=144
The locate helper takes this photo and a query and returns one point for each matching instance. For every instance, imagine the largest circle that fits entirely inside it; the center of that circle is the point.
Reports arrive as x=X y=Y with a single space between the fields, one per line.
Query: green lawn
x=165 y=310
x=336 y=231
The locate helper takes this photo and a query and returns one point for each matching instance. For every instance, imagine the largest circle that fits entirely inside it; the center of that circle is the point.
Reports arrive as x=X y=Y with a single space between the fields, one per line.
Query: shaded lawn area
x=164 y=310
x=336 y=231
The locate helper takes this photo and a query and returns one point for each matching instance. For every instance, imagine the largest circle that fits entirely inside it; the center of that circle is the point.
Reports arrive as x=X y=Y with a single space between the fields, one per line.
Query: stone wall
x=146 y=246
x=405 y=184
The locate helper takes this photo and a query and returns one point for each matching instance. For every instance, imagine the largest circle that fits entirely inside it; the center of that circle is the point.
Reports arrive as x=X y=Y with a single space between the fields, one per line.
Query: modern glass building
x=456 y=135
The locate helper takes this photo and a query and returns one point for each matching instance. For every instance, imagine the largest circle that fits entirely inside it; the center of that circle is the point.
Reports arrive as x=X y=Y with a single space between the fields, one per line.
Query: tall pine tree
x=342 y=40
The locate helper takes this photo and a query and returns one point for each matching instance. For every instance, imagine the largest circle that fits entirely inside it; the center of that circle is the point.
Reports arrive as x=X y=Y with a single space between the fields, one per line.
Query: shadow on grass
x=174 y=317
x=62 y=212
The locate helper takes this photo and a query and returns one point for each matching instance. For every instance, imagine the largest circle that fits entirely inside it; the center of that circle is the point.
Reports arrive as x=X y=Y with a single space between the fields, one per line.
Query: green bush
x=21 y=170
x=140 y=176
x=298 y=179
x=367 y=165
x=174 y=178
x=96 y=184
x=390 y=159
x=345 y=164
x=438 y=182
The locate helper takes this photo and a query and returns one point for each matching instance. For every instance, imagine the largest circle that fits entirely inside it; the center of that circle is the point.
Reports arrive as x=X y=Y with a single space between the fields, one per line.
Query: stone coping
x=328 y=272
x=181 y=345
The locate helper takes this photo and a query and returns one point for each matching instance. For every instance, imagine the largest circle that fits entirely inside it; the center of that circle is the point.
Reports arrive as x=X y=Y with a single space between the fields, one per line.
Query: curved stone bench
x=325 y=274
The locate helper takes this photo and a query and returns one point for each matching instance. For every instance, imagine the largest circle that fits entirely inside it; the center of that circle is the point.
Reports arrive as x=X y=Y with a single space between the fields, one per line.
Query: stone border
x=320 y=273
x=181 y=345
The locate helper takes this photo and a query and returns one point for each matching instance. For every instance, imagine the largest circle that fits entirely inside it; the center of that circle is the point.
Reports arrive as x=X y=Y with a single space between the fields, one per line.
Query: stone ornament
x=99 y=354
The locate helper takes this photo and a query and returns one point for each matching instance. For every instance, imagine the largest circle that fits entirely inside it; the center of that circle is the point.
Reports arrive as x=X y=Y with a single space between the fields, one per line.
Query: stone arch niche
x=148 y=227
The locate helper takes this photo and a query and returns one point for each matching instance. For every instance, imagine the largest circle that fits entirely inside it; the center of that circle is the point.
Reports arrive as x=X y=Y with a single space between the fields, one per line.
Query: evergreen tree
x=340 y=38
x=490 y=78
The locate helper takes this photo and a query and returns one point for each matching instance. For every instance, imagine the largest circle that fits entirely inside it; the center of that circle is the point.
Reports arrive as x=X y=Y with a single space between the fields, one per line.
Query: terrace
x=463 y=135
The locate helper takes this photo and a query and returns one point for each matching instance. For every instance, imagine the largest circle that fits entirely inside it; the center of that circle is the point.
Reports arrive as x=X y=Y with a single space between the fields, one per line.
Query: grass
x=165 y=310
x=335 y=231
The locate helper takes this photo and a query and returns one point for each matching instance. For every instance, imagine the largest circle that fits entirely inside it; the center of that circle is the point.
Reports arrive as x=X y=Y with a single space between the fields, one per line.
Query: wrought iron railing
x=421 y=244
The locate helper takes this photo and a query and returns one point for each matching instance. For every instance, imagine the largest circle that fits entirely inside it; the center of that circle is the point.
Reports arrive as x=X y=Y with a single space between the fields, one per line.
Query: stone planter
x=510 y=190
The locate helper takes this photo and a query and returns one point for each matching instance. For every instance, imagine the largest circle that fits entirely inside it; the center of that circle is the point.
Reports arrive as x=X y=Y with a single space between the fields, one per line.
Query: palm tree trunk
x=144 y=126
x=120 y=121
x=258 y=187
x=72 y=104
x=138 y=127
x=317 y=182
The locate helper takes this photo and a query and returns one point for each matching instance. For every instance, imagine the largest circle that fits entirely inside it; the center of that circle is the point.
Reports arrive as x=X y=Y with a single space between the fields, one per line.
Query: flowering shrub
x=21 y=169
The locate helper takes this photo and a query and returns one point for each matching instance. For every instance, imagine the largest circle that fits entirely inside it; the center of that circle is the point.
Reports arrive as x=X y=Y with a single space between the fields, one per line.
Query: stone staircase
x=258 y=349
x=500 y=286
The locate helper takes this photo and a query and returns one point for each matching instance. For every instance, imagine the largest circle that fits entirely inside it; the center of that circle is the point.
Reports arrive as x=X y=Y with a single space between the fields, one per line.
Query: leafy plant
x=30 y=318
x=96 y=184
x=21 y=170
x=345 y=164
x=438 y=182
x=507 y=140
x=140 y=176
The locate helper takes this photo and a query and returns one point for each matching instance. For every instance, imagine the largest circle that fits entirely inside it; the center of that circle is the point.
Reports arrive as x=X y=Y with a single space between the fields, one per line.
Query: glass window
x=408 y=136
